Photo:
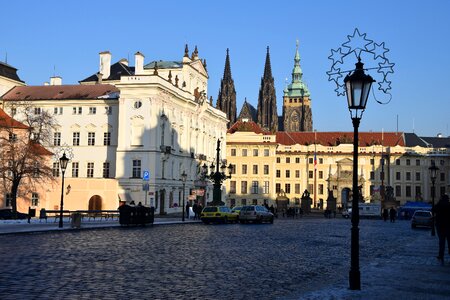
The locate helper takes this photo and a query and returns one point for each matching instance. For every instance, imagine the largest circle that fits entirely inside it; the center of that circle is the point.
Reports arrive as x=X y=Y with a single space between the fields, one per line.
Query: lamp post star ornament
x=357 y=85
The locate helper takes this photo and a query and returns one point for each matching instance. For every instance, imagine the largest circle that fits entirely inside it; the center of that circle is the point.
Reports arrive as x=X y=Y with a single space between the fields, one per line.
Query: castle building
x=226 y=101
x=122 y=122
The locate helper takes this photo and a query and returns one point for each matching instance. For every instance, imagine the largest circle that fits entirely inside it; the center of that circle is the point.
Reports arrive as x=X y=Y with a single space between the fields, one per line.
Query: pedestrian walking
x=392 y=214
x=442 y=221
x=194 y=208
x=385 y=214
x=187 y=209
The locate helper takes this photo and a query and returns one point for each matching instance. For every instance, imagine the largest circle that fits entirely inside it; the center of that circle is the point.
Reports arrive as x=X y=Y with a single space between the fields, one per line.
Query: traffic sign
x=146 y=176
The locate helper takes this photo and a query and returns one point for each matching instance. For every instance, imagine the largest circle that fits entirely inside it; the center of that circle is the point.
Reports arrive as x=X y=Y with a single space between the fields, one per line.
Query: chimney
x=100 y=78
x=105 y=64
x=138 y=63
x=46 y=83
x=55 y=80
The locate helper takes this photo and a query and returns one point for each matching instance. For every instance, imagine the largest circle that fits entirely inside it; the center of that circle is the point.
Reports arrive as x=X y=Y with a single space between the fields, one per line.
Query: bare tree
x=24 y=158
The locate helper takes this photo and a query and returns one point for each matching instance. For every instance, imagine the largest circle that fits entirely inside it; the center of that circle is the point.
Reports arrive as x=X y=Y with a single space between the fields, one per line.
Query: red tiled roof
x=7 y=121
x=246 y=126
x=336 y=138
x=55 y=92
x=39 y=149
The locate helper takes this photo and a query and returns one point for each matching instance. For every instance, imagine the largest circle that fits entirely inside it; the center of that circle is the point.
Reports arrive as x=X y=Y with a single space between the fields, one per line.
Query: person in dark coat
x=385 y=214
x=442 y=221
x=392 y=214
x=187 y=209
x=195 y=209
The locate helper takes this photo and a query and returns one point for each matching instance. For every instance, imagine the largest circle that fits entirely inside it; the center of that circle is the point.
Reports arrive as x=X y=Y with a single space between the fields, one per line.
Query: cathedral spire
x=267 y=67
x=267 y=116
x=226 y=101
x=297 y=73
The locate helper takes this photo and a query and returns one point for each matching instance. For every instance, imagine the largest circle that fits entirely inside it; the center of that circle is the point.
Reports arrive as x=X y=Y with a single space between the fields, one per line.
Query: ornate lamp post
x=357 y=86
x=63 y=161
x=183 y=179
x=217 y=177
x=433 y=174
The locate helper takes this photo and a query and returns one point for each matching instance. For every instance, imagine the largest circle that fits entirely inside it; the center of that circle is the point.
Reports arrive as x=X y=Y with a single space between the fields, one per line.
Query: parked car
x=236 y=209
x=255 y=214
x=6 y=214
x=218 y=214
x=422 y=218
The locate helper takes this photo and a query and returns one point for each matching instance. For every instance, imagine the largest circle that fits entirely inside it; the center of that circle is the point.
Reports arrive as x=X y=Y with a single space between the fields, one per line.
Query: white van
x=366 y=210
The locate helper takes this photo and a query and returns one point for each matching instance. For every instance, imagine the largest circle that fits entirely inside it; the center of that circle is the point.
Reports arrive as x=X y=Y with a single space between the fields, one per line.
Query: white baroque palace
x=126 y=122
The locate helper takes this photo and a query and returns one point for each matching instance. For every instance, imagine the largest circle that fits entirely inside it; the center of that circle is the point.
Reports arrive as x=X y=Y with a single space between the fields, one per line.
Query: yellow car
x=218 y=214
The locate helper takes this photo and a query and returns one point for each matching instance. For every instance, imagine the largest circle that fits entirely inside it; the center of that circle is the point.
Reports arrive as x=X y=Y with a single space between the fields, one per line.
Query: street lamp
x=433 y=174
x=63 y=161
x=183 y=179
x=217 y=177
x=357 y=87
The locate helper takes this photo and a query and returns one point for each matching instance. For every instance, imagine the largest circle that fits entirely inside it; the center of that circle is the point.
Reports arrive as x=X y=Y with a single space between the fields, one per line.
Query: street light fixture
x=357 y=89
x=433 y=174
x=183 y=179
x=63 y=161
x=217 y=177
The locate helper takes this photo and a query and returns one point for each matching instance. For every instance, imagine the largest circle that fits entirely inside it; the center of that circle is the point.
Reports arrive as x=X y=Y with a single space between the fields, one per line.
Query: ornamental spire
x=267 y=67
x=227 y=69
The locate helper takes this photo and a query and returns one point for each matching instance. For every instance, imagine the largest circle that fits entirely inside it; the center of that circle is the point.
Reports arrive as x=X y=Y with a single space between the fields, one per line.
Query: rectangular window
x=372 y=175
x=108 y=110
x=255 y=187
x=57 y=110
x=442 y=177
x=75 y=167
x=106 y=169
x=297 y=188
x=408 y=176
x=91 y=138
x=34 y=199
x=8 y=199
x=287 y=188
x=320 y=189
x=36 y=169
x=398 y=190
x=57 y=139
x=408 y=191
x=288 y=160
x=255 y=152
x=233 y=152
x=321 y=161
x=90 y=170
x=266 y=152
x=288 y=173
x=297 y=160
x=76 y=139
x=278 y=160
x=136 y=168
x=37 y=111
x=106 y=138
x=266 y=187
x=278 y=173
x=320 y=174
x=266 y=169
x=244 y=169
x=408 y=162
x=297 y=173
x=233 y=169
x=92 y=110
x=255 y=169
x=77 y=110
x=277 y=188
x=397 y=162
x=417 y=162
x=12 y=137
x=310 y=174
x=55 y=169
x=311 y=188
x=418 y=192
x=232 y=187
x=397 y=176
x=244 y=152
x=372 y=161
x=244 y=187
x=311 y=160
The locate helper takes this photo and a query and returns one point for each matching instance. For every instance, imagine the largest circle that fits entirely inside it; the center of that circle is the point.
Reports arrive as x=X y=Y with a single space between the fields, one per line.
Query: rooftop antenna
x=397 y=125
x=54 y=70
x=6 y=57
x=413 y=125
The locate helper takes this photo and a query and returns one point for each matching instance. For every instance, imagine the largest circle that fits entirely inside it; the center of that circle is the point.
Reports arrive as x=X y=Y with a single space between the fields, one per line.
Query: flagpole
x=315 y=171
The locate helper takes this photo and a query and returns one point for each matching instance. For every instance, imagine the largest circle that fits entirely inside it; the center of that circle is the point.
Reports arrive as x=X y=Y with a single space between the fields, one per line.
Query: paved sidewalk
x=36 y=225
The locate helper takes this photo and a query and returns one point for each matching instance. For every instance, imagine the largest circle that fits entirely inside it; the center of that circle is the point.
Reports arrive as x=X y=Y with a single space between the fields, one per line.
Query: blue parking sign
x=146 y=176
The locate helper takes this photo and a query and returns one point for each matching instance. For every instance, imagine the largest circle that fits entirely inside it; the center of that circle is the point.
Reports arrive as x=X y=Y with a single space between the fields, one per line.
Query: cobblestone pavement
x=292 y=259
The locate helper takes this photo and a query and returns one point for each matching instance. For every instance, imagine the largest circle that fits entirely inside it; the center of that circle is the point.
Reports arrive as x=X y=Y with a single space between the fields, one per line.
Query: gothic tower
x=226 y=101
x=297 y=115
x=267 y=117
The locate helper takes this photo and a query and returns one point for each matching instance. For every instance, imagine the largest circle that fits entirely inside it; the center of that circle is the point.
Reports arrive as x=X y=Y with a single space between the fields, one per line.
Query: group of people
x=442 y=222
x=390 y=213
x=196 y=208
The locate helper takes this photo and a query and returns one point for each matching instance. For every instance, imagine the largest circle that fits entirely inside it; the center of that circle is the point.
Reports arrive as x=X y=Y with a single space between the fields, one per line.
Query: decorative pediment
x=198 y=65
x=91 y=126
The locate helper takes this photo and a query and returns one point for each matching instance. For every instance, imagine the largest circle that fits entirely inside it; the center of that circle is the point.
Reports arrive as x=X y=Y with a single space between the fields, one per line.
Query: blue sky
x=43 y=38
